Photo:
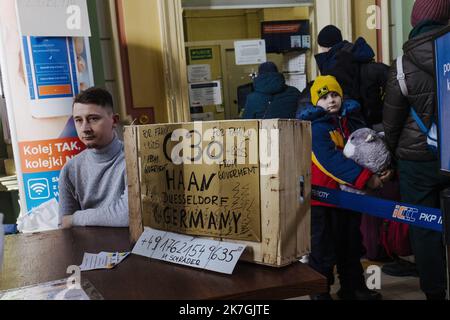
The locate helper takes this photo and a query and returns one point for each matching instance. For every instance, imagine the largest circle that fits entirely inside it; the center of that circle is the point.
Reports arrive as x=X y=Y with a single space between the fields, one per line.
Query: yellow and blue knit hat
x=324 y=85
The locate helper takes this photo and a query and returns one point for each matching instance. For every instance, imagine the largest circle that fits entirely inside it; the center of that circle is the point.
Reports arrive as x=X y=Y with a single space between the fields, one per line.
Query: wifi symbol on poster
x=38 y=189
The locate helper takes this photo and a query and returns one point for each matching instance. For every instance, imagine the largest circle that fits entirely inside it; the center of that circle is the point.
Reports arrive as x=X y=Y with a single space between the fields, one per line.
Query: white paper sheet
x=102 y=260
x=218 y=256
x=205 y=93
x=250 y=52
x=199 y=72
x=294 y=62
x=42 y=218
x=297 y=80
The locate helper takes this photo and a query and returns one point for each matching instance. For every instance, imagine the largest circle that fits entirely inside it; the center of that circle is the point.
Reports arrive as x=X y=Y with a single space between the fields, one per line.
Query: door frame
x=174 y=60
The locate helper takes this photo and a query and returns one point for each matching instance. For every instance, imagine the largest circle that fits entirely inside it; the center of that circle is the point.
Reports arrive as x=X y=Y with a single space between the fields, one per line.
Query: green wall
x=94 y=41
x=401 y=15
x=407 y=9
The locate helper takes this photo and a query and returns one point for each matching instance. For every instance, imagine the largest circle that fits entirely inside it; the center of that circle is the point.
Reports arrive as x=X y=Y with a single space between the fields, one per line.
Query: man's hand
x=67 y=222
x=374 y=182
x=386 y=175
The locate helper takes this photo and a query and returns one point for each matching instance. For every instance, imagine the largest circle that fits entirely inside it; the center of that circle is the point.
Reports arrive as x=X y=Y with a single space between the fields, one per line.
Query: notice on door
x=199 y=72
x=205 y=93
x=250 y=52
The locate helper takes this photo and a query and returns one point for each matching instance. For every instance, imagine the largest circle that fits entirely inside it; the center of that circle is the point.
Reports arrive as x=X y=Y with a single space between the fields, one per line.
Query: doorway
x=213 y=33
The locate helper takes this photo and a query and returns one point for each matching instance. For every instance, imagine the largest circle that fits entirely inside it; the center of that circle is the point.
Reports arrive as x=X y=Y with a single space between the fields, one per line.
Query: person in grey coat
x=92 y=185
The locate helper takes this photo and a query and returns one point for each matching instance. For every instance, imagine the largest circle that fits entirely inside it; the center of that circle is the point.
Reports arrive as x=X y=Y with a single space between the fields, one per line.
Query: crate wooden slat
x=133 y=183
x=285 y=221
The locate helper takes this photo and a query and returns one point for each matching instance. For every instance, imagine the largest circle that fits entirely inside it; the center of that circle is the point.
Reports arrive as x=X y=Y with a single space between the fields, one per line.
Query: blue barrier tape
x=418 y=216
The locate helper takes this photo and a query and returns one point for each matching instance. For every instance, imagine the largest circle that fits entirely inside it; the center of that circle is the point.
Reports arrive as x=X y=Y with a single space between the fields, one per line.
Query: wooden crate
x=283 y=209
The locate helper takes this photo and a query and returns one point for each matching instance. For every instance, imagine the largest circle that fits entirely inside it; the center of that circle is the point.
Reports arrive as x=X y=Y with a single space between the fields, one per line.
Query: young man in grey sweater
x=92 y=185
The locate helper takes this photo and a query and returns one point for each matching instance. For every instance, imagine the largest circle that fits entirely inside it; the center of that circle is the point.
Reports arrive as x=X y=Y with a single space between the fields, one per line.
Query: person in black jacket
x=353 y=66
x=420 y=181
x=272 y=98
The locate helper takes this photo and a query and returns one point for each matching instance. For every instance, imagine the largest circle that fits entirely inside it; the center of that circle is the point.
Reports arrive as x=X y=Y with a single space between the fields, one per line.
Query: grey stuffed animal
x=367 y=148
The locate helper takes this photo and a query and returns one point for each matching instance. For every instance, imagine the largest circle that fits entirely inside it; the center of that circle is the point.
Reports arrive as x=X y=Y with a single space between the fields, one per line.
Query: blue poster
x=443 y=96
x=40 y=187
x=57 y=69
x=50 y=64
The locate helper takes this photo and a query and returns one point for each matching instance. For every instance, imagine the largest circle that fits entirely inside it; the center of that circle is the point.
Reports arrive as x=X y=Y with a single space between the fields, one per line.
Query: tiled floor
x=395 y=288
x=392 y=288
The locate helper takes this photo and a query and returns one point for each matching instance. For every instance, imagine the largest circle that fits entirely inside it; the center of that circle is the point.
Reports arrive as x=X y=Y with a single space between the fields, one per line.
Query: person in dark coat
x=418 y=166
x=353 y=65
x=272 y=98
x=340 y=58
x=335 y=234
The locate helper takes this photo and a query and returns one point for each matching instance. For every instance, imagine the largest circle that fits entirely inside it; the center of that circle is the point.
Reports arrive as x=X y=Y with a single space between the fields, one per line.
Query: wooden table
x=43 y=257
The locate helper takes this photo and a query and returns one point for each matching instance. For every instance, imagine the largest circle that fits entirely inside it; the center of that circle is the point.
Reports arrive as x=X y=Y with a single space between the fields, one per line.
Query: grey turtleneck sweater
x=92 y=187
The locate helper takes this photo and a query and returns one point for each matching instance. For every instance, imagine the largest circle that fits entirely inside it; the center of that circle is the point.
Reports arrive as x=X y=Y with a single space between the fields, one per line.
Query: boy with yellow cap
x=335 y=235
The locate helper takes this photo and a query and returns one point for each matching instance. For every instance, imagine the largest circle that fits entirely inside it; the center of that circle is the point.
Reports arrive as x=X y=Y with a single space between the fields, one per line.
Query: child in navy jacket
x=335 y=233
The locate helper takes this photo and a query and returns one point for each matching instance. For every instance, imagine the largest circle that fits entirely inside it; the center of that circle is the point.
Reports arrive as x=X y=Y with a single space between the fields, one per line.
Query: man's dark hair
x=94 y=95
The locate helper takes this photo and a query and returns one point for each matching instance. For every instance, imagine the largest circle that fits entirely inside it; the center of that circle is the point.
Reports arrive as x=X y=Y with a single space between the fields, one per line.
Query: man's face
x=331 y=102
x=95 y=125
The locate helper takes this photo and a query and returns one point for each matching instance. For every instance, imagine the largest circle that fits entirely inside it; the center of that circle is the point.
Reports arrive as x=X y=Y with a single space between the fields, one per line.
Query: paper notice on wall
x=294 y=62
x=296 y=41
x=199 y=72
x=306 y=41
x=297 y=80
x=250 y=52
x=218 y=256
x=205 y=93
